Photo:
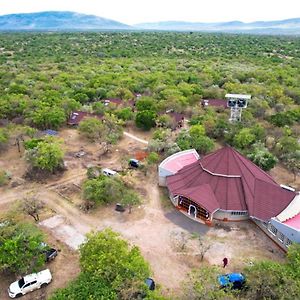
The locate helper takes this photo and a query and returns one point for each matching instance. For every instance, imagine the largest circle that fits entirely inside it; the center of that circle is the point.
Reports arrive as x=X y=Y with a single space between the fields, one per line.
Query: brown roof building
x=226 y=185
x=77 y=116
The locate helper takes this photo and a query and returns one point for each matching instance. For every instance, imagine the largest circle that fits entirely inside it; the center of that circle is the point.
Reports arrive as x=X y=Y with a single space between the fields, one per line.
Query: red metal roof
x=77 y=116
x=293 y=222
x=202 y=194
x=237 y=183
x=178 y=161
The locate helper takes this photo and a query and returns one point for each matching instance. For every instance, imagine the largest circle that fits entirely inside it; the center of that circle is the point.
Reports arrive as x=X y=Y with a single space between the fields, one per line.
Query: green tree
x=110 y=270
x=292 y=161
x=105 y=189
x=271 y=280
x=203 y=144
x=47 y=155
x=125 y=114
x=262 y=157
x=244 y=138
x=91 y=128
x=152 y=158
x=45 y=116
x=146 y=103
x=145 y=119
x=20 y=247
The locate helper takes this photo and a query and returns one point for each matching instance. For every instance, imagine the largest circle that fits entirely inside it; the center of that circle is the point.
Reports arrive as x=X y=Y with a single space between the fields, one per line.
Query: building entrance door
x=192 y=210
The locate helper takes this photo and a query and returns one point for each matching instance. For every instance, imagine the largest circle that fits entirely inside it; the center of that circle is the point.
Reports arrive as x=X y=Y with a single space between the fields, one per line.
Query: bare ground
x=164 y=235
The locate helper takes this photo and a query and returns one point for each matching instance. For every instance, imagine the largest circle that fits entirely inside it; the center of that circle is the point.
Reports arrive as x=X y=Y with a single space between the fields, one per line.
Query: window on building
x=280 y=236
x=272 y=229
x=239 y=213
x=288 y=242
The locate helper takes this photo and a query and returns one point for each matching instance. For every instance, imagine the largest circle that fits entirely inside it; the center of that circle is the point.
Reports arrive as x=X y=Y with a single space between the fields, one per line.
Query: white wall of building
x=291 y=233
x=226 y=215
x=276 y=235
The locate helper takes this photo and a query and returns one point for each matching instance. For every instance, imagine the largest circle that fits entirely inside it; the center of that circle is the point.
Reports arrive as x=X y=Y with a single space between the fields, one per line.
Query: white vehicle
x=29 y=283
x=109 y=172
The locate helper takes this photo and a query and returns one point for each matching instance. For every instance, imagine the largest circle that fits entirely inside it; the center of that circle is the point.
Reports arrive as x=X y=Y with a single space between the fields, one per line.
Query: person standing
x=225 y=262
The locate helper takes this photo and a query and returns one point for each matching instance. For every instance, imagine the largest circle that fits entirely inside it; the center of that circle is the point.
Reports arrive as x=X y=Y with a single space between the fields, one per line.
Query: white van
x=109 y=172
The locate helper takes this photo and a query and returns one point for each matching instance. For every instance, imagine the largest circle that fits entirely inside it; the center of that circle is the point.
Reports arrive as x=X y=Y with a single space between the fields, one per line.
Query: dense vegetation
x=46 y=76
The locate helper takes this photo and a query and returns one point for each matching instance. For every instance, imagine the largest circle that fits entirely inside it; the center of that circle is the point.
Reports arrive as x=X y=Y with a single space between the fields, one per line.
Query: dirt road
x=135 y=138
x=156 y=229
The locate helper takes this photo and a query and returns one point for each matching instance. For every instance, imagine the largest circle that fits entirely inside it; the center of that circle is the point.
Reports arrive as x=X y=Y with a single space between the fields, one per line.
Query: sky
x=138 y=11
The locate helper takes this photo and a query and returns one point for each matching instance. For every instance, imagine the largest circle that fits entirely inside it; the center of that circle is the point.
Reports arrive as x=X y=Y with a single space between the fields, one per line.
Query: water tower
x=236 y=103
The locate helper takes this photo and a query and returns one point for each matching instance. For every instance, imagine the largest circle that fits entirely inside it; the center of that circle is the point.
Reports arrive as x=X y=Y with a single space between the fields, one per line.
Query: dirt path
x=135 y=138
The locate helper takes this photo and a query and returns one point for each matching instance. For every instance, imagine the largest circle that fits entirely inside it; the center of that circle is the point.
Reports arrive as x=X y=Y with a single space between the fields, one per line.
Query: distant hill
x=289 y=26
x=66 y=21
x=54 y=20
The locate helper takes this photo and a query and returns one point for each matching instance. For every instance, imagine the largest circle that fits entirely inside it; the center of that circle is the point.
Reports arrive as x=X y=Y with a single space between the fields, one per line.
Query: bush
x=244 y=138
x=262 y=157
x=4 y=137
x=145 y=119
x=3 y=177
x=91 y=128
x=125 y=114
x=104 y=189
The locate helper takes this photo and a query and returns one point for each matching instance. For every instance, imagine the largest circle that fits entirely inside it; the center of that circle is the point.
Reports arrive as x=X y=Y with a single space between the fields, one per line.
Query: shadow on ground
x=185 y=223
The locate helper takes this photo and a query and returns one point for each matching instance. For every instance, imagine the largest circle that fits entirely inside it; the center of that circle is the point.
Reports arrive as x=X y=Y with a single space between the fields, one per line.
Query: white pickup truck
x=29 y=283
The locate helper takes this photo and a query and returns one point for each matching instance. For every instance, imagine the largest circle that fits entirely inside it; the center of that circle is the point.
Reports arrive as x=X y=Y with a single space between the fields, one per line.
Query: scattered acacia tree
x=262 y=157
x=195 y=138
x=106 y=189
x=285 y=146
x=110 y=270
x=292 y=161
x=203 y=244
x=108 y=131
x=45 y=155
x=146 y=103
x=145 y=119
x=91 y=128
x=125 y=114
x=32 y=207
x=244 y=139
x=20 y=247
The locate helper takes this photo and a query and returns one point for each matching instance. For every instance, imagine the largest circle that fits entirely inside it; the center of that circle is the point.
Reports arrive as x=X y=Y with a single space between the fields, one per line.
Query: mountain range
x=58 y=20
x=289 y=26
x=68 y=21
